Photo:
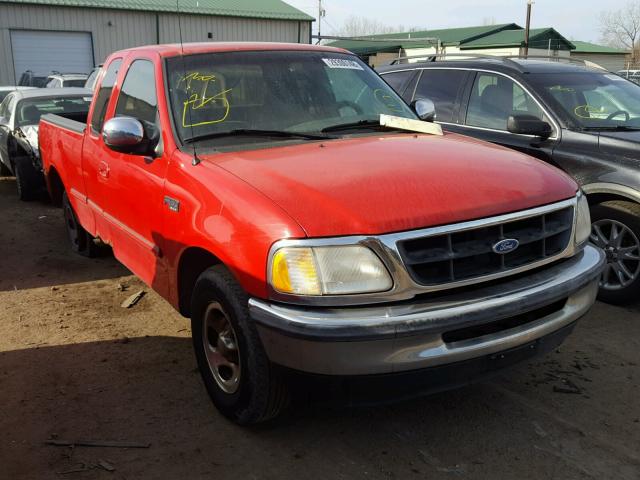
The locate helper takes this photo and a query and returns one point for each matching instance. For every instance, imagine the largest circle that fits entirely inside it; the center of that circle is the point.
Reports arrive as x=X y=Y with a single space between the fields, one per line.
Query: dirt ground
x=76 y=365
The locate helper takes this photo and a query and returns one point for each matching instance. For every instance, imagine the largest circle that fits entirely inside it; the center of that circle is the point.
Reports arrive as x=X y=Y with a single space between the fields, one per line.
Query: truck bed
x=76 y=122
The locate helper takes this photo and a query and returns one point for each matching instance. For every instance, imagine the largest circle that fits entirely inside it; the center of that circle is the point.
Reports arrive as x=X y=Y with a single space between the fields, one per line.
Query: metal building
x=74 y=35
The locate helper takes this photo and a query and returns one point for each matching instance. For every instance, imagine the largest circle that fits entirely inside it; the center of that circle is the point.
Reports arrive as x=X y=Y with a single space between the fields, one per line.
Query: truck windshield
x=592 y=100
x=285 y=91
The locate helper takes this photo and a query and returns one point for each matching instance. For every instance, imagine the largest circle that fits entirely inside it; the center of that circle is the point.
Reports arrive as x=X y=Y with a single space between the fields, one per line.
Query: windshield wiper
x=247 y=132
x=354 y=125
x=617 y=128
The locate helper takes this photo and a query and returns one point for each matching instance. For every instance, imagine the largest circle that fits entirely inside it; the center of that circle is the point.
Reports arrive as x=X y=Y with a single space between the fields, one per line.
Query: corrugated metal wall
x=114 y=30
x=613 y=63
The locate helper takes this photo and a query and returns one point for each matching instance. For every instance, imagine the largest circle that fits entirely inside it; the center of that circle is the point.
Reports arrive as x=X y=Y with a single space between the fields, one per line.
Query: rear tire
x=616 y=229
x=81 y=242
x=241 y=381
x=28 y=179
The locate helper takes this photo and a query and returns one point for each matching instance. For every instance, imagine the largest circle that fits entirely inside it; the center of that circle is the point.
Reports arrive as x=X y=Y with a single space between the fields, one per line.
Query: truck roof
x=176 y=49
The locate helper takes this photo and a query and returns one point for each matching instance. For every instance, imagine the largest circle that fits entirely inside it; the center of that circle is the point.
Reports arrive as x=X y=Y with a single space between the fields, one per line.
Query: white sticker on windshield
x=87 y=99
x=342 y=63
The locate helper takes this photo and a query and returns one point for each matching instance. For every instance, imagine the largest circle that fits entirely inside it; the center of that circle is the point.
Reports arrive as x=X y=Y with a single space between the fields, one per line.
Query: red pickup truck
x=257 y=189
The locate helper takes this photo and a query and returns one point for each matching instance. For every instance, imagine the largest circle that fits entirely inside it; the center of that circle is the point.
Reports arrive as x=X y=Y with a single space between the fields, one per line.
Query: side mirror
x=127 y=135
x=425 y=109
x=529 y=125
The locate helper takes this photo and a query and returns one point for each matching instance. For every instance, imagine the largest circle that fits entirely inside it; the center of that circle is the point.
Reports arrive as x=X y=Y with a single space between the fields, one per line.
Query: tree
x=621 y=28
x=355 y=26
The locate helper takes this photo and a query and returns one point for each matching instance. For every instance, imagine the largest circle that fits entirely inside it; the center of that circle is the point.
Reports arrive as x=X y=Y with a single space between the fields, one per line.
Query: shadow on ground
x=34 y=249
x=147 y=390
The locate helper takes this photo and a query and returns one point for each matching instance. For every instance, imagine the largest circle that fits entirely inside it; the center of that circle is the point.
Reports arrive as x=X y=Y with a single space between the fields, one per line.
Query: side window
x=399 y=80
x=102 y=99
x=443 y=88
x=495 y=98
x=138 y=93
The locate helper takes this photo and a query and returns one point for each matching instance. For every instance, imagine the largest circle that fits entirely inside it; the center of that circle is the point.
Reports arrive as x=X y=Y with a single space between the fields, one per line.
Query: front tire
x=81 y=242
x=616 y=229
x=241 y=381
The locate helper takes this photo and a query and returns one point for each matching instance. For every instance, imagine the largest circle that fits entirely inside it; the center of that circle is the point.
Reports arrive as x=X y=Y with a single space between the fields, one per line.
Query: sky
x=576 y=20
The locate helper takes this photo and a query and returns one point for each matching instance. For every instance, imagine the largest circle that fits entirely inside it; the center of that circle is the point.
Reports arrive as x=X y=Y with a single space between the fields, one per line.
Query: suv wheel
x=616 y=229
x=242 y=383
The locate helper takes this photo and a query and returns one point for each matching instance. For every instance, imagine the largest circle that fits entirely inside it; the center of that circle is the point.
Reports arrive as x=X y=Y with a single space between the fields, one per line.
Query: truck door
x=132 y=192
x=95 y=154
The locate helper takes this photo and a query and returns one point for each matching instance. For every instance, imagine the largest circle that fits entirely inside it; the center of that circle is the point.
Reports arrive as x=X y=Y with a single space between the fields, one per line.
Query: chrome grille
x=467 y=254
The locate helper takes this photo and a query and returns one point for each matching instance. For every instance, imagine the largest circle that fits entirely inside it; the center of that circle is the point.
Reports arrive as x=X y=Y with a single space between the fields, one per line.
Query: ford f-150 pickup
x=286 y=200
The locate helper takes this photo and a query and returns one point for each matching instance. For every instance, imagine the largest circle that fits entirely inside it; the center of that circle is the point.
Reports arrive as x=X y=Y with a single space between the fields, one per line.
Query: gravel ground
x=75 y=365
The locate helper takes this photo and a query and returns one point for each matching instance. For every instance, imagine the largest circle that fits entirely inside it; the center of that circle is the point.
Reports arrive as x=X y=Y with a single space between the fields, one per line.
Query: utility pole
x=527 y=28
x=321 y=13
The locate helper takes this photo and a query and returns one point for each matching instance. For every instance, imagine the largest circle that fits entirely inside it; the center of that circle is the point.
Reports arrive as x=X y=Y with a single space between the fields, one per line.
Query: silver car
x=20 y=114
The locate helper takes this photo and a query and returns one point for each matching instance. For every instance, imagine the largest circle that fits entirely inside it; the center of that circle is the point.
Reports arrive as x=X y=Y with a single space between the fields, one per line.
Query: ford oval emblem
x=505 y=246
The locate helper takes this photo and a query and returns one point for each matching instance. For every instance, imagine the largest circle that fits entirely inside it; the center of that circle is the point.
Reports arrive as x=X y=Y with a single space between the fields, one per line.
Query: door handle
x=103 y=169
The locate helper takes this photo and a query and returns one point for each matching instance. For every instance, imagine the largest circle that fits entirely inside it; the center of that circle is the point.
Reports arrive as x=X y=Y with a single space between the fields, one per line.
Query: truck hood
x=390 y=183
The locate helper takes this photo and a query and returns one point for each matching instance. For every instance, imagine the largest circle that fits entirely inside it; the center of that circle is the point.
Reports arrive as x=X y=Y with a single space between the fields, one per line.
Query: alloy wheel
x=221 y=348
x=622 y=248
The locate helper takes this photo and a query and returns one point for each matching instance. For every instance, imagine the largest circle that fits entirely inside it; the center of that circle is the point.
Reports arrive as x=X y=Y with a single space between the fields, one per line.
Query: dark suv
x=577 y=117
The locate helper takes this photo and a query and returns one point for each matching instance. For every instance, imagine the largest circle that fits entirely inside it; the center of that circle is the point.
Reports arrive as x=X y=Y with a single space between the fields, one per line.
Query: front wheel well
x=598 y=198
x=193 y=262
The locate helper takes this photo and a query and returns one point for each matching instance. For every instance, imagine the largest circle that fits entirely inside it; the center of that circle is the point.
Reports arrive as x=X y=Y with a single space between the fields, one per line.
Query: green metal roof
x=271 y=9
x=587 y=47
x=538 y=38
x=448 y=36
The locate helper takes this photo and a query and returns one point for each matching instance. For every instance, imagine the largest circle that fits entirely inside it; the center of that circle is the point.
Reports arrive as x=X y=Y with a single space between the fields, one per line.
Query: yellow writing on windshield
x=387 y=100
x=197 y=86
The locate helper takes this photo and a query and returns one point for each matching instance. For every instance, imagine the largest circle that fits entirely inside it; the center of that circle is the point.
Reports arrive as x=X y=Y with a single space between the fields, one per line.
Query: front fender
x=219 y=213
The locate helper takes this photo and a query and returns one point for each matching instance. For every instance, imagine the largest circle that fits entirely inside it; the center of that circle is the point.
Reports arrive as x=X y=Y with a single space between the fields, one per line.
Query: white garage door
x=43 y=52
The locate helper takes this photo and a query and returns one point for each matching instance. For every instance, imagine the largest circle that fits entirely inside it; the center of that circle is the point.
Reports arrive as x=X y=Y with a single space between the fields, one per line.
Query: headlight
x=349 y=269
x=583 y=220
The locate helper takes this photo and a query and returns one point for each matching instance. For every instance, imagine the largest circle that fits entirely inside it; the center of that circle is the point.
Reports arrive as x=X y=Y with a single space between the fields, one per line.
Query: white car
x=4 y=91
x=66 y=80
x=20 y=114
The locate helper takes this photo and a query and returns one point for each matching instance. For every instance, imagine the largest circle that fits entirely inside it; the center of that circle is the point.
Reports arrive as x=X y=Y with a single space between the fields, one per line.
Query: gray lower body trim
x=407 y=336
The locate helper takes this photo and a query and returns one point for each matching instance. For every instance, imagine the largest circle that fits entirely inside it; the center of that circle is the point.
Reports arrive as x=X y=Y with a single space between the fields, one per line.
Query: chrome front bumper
x=409 y=335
